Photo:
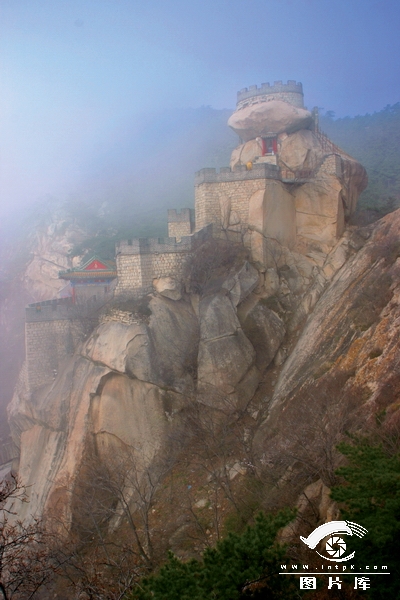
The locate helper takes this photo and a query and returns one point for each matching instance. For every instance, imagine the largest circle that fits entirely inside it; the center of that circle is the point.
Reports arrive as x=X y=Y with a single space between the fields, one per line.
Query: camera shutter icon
x=336 y=546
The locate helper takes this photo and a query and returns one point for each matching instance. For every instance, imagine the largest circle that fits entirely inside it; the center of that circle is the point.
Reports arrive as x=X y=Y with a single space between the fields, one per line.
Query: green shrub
x=240 y=566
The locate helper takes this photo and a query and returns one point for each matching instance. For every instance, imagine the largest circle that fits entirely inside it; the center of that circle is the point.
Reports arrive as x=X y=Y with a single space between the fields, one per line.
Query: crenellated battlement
x=163 y=245
x=180 y=223
x=291 y=92
x=180 y=216
x=240 y=173
x=141 y=260
x=153 y=245
x=49 y=310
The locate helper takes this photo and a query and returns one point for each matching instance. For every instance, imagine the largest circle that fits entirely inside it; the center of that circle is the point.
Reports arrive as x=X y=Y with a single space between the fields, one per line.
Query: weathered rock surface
x=319 y=213
x=164 y=352
x=241 y=283
x=129 y=383
x=266 y=331
x=300 y=150
x=355 y=181
x=88 y=399
x=343 y=370
x=53 y=443
x=126 y=386
x=246 y=152
x=51 y=255
x=132 y=412
x=169 y=287
x=23 y=283
x=272 y=216
x=268 y=118
x=109 y=345
x=225 y=354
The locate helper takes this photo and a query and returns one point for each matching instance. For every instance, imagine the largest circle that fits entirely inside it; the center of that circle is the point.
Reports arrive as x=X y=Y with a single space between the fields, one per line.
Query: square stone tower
x=180 y=223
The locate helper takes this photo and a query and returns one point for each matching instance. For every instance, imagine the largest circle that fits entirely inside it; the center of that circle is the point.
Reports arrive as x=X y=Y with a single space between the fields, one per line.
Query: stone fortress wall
x=180 y=223
x=52 y=331
x=212 y=188
x=298 y=198
x=238 y=185
x=53 y=328
x=291 y=92
x=250 y=202
x=141 y=260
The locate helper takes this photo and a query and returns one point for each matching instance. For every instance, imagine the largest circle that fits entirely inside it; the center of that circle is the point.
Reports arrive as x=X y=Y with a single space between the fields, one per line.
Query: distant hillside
x=374 y=141
x=152 y=171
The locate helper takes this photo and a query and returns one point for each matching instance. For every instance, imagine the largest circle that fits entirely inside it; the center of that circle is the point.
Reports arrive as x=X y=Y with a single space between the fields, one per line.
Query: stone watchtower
x=290 y=92
x=287 y=183
x=180 y=223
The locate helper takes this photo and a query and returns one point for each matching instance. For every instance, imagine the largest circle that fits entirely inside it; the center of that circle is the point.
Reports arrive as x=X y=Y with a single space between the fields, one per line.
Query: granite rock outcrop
x=128 y=383
x=268 y=118
x=314 y=351
x=342 y=374
x=296 y=340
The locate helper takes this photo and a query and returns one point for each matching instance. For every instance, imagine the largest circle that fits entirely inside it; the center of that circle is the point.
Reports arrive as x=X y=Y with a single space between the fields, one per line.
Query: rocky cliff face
x=30 y=278
x=304 y=352
x=50 y=255
x=343 y=372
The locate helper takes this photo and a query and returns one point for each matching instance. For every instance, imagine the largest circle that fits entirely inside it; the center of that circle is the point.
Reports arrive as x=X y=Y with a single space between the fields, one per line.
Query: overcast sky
x=76 y=74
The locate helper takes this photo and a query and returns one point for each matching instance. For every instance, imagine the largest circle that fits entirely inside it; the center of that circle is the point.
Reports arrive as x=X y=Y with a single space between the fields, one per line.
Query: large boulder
x=169 y=287
x=246 y=152
x=109 y=345
x=304 y=150
x=319 y=213
x=217 y=316
x=355 y=180
x=165 y=351
x=272 y=217
x=95 y=405
x=300 y=150
x=225 y=353
x=131 y=413
x=162 y=351
x=241 y=283
x=53 y=445
x=266 y=331
x=268 y=118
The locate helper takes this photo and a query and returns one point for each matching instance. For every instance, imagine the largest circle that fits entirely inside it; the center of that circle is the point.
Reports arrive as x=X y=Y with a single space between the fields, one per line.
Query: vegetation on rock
x=370 y=495
x=240 y=566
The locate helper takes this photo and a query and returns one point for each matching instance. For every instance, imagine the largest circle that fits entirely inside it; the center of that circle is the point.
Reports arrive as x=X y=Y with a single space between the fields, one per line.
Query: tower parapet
x=180 y=223
x=241 y=173
x=141 y=260
x=291 y=92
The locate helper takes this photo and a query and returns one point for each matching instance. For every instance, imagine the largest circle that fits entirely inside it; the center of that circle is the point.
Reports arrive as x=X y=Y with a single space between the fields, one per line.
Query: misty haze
x=199 y=283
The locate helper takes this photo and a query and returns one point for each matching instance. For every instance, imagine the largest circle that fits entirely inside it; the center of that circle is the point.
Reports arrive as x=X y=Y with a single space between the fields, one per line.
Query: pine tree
x=240 y=566
x=370 y=494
